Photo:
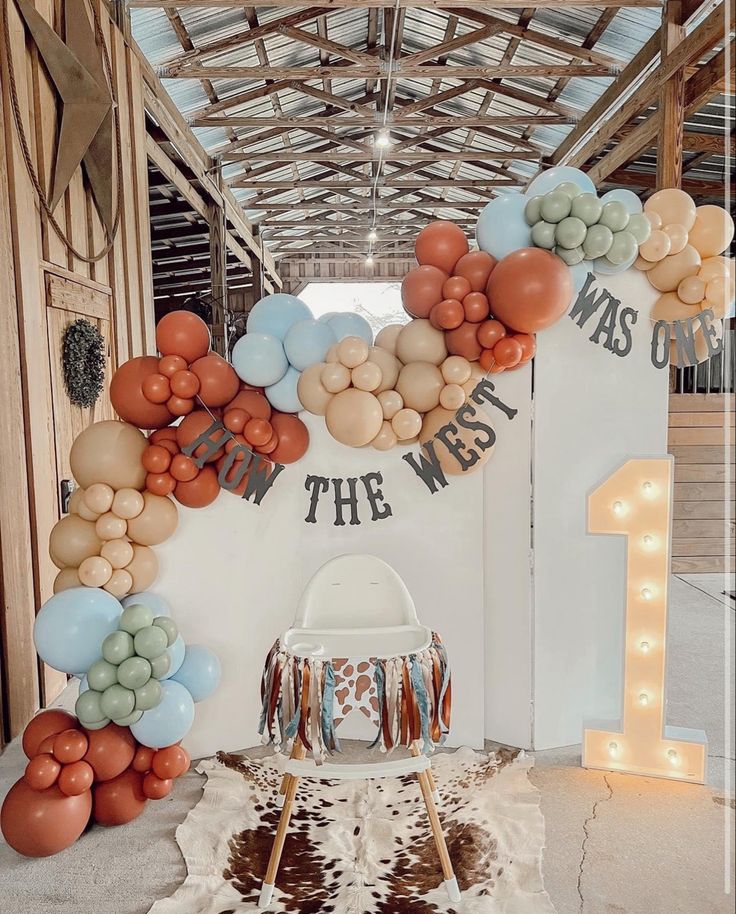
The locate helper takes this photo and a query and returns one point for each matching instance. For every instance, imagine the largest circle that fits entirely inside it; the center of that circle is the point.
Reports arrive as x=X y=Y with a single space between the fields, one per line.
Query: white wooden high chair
x=357 y=607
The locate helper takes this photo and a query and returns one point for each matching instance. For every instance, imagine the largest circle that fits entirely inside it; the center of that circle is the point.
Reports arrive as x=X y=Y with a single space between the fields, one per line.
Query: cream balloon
x=656 y=247
x=367 y=376
x=691 y=290
x=452 y=396
x=352 y=351
x=109 y=452
x=98 y=497
x=407 y=423
x=673 y=206
x=419 y=341
x=669 y=273
x=143 y=568
x=354 y=417
x=669 y=307
x=127 y=503
x=716 y=266
x=655 y=220
x=677 y=235
x=156 y=522
x=385 y=439
x=95 y=571
x=644 y=265
x=391 y=402
x=713 y=230
x=465 y=439
x=420 y=384
x=702 y=352
x=72 y=540
x=110 y=527
x=455 y=369
x=117 y=552
x=65 y=579
x=312 y=393
x=390 y=367
x=719 y=294
x=476 y=375
x=331 y=356
x=79 y=506
x=120 y=583
x=386 y=338
x=335 y=377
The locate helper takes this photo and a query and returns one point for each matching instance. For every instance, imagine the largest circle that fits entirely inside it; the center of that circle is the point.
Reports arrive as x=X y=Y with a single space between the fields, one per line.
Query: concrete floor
x=616 y=844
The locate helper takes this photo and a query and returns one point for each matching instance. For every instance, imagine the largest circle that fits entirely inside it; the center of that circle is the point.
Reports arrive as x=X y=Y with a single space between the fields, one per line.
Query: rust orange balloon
x=464 y=341
x=200 y=491
x=441 y=244
x=119 y=800
x=292 y=438
x=45 y=724
x=39 y=823
x=127 y=396
x=475 y=306
x=476 y=267
x=421 y=290
x=184 y=334
x=218 y=383
x=530 y=289
x=192 y=426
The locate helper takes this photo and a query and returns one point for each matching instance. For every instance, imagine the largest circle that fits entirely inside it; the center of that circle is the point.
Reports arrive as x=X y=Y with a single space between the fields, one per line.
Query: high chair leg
x=448 y=873
x=281 y=795
x=415 y=751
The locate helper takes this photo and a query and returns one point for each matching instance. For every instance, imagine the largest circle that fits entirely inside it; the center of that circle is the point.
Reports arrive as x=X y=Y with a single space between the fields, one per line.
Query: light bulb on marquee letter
x=640 y=743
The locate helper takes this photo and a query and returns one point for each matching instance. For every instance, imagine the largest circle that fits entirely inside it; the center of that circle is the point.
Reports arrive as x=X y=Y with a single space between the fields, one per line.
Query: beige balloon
x=391 y=402
x=156 y=522
x=452 y=396
x=332 y=354
x=366 y=376
x=390 y=367
x=72 y=540
x=716 y=266
x=669 y=273
x=117 y=552
x=143 y=568
x=110 y=527
x=127 y=503
x=670 y=307
x=420 y=384
x=66 y=579
x=691 y=290
x=642 y=264
x=655 y=220
x=335 y=378
x=407 y=423
x=456 y=369
x=95 y=571
x=354 y=417
x=476 y=374
x=656 y=247
x=98 y=497
x=719 y=293
x=120 y=583
x=77 y=505
x=702 y=353
x=672 y=205
x=352 y=351
x=312 y=393
x=713 y=230
x=440 y=417
x=109 y=452
x=677 y=235
x=386 y=338
x=419 y=341
x=385 y=439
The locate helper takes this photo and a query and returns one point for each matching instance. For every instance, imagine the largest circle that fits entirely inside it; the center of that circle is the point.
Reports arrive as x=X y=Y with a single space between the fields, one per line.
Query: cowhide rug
x=365 y=847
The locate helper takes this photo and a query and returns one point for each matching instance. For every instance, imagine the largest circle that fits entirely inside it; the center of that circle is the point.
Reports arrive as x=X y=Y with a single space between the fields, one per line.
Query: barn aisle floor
x=615 y=844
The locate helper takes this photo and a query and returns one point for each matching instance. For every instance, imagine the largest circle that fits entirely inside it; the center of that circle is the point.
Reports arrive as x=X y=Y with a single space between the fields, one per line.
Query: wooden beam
x=350 y=185
x=451 y=44
x=671 y=101
x=365 y=203
x=459 y=121
x=440 y=155
x=325 y=44
x=648 y=180
x=401 y=4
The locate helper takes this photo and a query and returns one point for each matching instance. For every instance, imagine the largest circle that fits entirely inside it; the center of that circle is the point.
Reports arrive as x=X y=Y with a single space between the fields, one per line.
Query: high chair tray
x=356 y=642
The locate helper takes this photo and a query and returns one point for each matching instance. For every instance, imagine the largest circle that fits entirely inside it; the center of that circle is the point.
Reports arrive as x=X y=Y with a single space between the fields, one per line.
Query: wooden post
x=218 y=273
x=258 y=268
x=671 y=102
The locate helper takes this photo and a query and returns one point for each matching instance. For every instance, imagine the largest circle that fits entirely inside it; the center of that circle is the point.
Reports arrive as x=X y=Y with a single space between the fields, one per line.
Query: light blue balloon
x=347 y=323
x=629 y=199
x=275 y=314
x=71 y=626
x=326 y=318
x=169 y=721
x=550 y=179
x=157 y=604
x=200 y=672
x=176 y=655
x=259 y=359
x=579 y=272
x=83 y=684
x=502 y=226
x=307 y=342
x=603 y=265
x=283 y=395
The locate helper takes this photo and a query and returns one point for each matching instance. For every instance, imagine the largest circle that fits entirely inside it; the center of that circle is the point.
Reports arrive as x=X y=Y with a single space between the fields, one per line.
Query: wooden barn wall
x=43 y=287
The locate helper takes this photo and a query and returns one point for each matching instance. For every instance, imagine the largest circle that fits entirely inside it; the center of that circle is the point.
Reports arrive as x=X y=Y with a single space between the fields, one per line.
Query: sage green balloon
x=151 y=642
x=134 y=672
x=160 y=666
x=597 y=242
x=118 y=646
x=571 y=232
x=130 y=719
x=543 y=235
x=101 y=675
x=640 y=227
x=169 y=626
x=555 y=207
x=615 y=216
x=117 y=702
x=570 y=188
x=88 y=708
x=571 y=256
x=623 y=248
x=135 y=617
x=98 y=724
x=588 y=208
x=148 y=696
x=532 y=211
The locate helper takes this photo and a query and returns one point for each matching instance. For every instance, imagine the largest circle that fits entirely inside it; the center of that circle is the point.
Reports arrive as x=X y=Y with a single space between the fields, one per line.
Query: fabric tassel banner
x=410 y=699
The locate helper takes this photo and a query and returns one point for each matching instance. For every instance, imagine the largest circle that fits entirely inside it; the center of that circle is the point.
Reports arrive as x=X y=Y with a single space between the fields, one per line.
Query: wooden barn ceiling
x=473 y=98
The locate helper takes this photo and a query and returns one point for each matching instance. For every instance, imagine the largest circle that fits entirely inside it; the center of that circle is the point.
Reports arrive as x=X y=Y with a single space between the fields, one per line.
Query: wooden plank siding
x=701 y=438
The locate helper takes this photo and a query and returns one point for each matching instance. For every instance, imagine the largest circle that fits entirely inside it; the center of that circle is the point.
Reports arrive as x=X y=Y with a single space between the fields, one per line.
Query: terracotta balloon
x=508 y=352
x=75 y=779
x=162 y=484
x=420 y=384
x=712 y=231
x=184 y=384
x=386 y=338
x=218 y=383
x=143 y=759
x=447 y=314
x=312 y=394
x=72 y=540
x=110 y=751
x=258 y=431
x=119 y=800
x=127 y=396
x=95 y=571
x=463 y=341
x=530 y=289
x=669 y=273
x=456 y=287
x=41 y=823
x=455 y=369
x=490 y=332
x=441 y=244
x=476 y=307
x=156 y=388
x=391 y=402
x=170 y=364
x=156 y=788
x=253 y=402
x=156 y=459
x=200 y=491
x=440 y=417
x=352 y=351
x=655 y=248
x=528 y=345
x=419 y=341
x=127 y=503
x=143 y=567
x=66 y=578
x=184 y=334
x=476 y=267
x=192 y=426
x=42 y=771
x=389 y=365
x=421 y=289
x=183 y=468
x=354 y=417
x=156 y=522
x=386 y=438
x=673 y=206
x=293 y=438
x=109 y=452
x=171 y=762
x=45 y=724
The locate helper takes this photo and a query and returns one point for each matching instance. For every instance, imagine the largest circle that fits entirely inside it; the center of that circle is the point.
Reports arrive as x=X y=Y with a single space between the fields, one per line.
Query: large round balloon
x=529 y=290
x=476 y=267
x=128 y=399
x=440 y=417
x=441 y=244
x=354 y=417
x=307 y=342
x=259 y=359
x=284 y=394
x=176 y=655
x=73 y=540
x=156 y=522
x=119 y=800
x=420 y=385
x=200 y=491
x=667 y=275
x=622 y=195
x=293 y=438
x=312 y=393
x=71 y=626
x=109 y=452
x=421 y=290
x=673 y=206
x=110 y=751
x=218 y=382
x=38 y=823
x=348 y=323
x=275 y=314
x=549 y=180
x=419 y=341
x=712 y=231
x=44 y=724
x=200 y=672
x=502 y=227
x=183 y=333
x=169 y=721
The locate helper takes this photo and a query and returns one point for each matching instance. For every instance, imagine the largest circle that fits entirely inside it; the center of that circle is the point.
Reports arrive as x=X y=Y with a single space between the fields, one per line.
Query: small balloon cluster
x=76 y=775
